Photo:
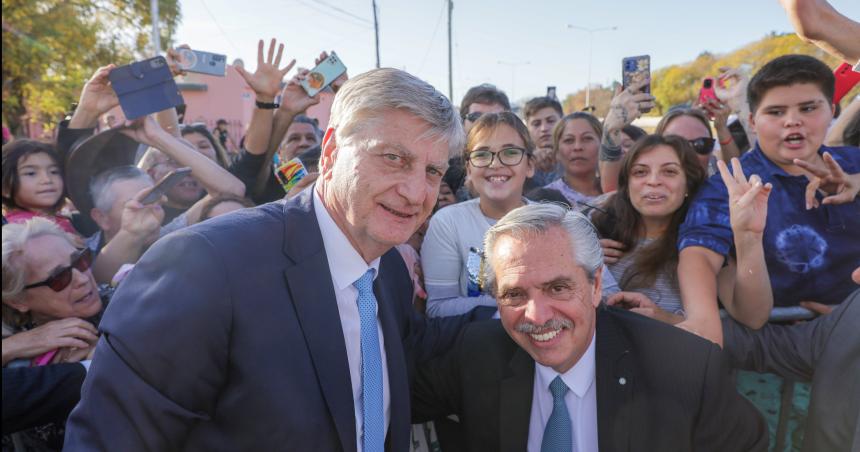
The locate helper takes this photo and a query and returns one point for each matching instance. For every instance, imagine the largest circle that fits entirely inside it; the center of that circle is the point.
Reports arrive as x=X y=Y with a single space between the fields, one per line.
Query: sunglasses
x=508 y=157
x=61 y=278
x=474 y=116
x=702 y=146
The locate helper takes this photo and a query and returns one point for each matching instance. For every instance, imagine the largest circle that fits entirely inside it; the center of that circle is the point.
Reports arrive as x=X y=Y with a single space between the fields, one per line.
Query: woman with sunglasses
x=658 y=179
x=498 y=159
x=693 y=125
x=48 y=293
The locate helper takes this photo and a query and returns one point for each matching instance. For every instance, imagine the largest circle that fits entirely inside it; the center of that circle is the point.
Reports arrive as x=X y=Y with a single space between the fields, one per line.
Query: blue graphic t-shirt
x=810 y=254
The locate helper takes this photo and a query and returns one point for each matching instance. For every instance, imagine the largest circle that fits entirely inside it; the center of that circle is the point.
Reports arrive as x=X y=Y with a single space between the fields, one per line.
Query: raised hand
x=97 y=98
x=139 y=220
x=747 y=199
x=266 y=80
x=294 y=98
x=731 y=87
x=829 y=178
x=718 y=111
x=146 y=131
x=173 y=59
x=627 y=105
x=338 y=82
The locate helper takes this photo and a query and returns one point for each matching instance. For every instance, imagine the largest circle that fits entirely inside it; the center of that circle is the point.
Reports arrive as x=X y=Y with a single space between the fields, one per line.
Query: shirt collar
x=344 y=261
x=578 y=378
x=774 y=169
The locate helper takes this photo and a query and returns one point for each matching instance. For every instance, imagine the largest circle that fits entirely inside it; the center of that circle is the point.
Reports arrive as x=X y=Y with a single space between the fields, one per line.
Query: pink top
x=20 y=216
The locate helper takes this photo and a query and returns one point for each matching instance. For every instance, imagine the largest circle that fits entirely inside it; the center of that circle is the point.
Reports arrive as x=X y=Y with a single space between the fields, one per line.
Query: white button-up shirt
x=346 y=266
x=581 y=401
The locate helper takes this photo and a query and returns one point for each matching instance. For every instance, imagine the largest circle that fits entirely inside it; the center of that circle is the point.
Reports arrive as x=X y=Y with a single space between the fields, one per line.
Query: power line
x=221 y=30
x=363 y=22
x=432 y=38
x=342 y=11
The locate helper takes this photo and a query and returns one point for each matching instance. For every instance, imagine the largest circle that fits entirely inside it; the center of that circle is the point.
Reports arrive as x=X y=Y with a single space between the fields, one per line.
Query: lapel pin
x=622 y=381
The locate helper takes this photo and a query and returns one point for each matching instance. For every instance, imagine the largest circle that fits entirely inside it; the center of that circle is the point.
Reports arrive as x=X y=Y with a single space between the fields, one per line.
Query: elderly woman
x=48 y=292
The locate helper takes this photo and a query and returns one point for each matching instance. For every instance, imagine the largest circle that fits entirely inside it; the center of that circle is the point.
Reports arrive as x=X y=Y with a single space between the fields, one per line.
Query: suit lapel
x=615 y=380
x=312 y=294
x=515 y=402
x=397 y=379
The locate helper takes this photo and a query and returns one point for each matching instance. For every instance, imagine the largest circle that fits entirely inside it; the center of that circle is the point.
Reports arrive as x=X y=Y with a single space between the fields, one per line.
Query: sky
x=520 y=46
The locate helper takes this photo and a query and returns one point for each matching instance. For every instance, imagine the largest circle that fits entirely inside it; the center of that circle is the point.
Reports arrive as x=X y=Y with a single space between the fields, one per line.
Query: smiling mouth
x=84 y=298
x=547 y=336
x=497 y=179
x=654 y=197
x=397 y=213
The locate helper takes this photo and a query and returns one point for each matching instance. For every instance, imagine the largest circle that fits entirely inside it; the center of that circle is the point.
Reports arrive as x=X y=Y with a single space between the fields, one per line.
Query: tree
x=51 y=47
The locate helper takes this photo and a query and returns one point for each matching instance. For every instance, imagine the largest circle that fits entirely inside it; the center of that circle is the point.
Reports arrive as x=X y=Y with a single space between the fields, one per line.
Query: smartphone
x=321 y=76
x=289 y=173
x=145 y=87
x=165 y=184
x=636 y=69
x=550 y=92
x=706 y=92
x=202 y=62
x=846 y=79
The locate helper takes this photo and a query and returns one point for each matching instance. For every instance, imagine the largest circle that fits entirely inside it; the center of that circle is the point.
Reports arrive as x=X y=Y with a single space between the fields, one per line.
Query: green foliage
x=51 y=47
x=680 y=83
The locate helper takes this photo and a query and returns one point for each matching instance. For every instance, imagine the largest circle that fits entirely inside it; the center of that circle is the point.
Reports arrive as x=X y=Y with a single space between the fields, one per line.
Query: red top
x=20 y=216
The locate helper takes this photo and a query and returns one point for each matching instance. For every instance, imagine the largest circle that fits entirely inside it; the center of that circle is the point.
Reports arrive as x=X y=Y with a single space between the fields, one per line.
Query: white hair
x=361 y=101
x=101 y=186
x=536 y=219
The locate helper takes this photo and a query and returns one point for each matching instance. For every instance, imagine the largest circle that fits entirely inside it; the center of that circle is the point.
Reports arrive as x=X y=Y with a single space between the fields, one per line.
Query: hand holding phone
x=636 y=70
x=145 y=87
x=846 y=79
x=320 y=77
x=202 y=62
x=164 y=185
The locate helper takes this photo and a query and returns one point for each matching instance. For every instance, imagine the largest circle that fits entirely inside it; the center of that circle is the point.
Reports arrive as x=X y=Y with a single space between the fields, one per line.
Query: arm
x=837 y=130
x=817 y=22
x=442 y=264
x=720 y=112
x=69 y=332
x=626 y=106
x=143 y=392
x=697 y=277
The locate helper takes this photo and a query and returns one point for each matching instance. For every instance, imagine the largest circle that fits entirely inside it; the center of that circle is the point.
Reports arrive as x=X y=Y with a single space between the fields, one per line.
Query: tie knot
x=558 y=388
x=365 y=283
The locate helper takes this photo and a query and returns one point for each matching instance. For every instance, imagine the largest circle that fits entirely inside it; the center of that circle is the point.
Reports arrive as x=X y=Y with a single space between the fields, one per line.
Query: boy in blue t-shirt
x=811 y=242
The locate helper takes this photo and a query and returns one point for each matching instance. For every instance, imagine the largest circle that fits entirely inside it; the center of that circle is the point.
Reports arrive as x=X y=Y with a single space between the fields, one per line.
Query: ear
x=18 y=303
x=598 y=287
x=531 y=165
x=101 y=218
x=752 y=122
x=329 y=153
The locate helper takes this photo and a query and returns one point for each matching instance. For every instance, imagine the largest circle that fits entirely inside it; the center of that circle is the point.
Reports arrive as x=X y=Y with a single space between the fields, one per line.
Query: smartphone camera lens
x=156 y=63
x=707 y=84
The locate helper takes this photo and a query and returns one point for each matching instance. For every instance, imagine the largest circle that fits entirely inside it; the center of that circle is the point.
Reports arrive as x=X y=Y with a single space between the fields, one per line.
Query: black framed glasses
x=61 y=278
x=703 y=146
x=509 y=157
x=474 y=116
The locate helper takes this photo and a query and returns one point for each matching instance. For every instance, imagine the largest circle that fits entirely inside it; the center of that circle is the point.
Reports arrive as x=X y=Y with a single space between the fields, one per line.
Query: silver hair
x=360 y=102
x=15 y=238
x=101 y=186
x=536 y=219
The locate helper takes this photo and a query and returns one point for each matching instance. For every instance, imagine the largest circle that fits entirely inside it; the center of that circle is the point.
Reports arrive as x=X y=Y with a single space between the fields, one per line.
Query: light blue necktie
x=557 y=436
x=373 y=436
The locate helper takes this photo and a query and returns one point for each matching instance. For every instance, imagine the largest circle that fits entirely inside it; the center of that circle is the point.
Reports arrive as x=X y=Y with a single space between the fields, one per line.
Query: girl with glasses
x=498 y=159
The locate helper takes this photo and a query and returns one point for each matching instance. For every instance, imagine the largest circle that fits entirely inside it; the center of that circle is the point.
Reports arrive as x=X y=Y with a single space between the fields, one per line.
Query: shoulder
x=848 y=157
x=488 y=339
x=454 y=212
x=656 y=342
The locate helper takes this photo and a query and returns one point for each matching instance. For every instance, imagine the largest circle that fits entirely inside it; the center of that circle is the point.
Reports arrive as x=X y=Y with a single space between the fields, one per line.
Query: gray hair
x=101 y=186
x=537 y=219
x=15 y=238
x=362 y=99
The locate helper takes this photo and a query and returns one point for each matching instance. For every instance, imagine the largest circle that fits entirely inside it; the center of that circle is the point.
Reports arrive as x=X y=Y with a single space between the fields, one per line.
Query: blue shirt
x=810 y=254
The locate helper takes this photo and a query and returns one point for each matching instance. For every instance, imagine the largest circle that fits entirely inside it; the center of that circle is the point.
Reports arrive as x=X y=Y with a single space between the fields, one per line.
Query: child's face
x=791 y=123
x=40 y=182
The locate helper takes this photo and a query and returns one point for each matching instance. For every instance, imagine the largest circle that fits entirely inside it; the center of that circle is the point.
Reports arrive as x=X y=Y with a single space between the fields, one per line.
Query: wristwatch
x=267 y=105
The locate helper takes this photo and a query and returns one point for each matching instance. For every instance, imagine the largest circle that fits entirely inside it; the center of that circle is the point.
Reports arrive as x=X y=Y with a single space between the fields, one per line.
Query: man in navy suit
x=288 y=326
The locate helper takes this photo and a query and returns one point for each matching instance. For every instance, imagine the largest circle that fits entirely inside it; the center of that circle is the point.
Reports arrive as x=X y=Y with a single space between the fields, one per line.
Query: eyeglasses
x=703 y=146
x=61 y=279
x=474 y=116
x=508 y=157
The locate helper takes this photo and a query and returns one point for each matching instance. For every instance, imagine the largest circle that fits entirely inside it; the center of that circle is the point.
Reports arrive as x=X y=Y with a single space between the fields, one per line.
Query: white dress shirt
x=581 y=401
x=346 y=266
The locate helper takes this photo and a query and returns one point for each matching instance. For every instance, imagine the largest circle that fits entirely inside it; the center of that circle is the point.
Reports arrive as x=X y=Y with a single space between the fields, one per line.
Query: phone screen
x=166 y=183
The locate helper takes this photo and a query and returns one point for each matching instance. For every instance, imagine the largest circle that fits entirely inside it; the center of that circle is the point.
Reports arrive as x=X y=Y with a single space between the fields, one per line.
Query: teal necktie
x=373 y=435
x=557 y=436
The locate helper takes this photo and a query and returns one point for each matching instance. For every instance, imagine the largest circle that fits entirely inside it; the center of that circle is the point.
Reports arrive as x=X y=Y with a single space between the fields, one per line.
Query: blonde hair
x=15 y=238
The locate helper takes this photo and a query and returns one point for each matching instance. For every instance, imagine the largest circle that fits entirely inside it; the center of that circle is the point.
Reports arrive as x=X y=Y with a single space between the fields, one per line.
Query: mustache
x=551 y=325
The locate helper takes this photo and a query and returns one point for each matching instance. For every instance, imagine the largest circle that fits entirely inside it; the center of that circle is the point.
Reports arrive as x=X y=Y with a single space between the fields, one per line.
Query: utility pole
x=513 y=65
x=156 y=36
x=450 y=58
x=590 y=32
x=376 y=31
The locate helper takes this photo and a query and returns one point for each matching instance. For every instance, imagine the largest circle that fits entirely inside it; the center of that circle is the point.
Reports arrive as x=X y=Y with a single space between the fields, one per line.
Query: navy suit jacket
x=226 y=336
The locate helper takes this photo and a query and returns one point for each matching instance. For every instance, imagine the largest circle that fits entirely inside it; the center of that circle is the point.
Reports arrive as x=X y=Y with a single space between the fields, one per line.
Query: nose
x=792 y=118
x=80 y=278
x=537 y=311
x=44 y=177
x=413 y=189
x=653 y=179
x=496 y=162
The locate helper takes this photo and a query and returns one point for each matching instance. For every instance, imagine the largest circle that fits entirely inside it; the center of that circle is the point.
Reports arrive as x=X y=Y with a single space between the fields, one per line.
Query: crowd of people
x=471 y=279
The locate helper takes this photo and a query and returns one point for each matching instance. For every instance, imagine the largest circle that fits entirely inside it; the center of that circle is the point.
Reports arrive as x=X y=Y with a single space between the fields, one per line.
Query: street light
x=590 y=32
x=513 y=65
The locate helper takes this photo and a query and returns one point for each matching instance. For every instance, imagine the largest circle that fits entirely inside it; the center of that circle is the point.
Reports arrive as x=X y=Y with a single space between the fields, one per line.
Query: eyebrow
x=557 y=280
x=31 y=165
x=804 y=103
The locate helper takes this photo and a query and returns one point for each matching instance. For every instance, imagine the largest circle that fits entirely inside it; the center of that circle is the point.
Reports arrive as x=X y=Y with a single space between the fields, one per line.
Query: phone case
x=846 y=78
x=145 y=87
x=289 y=173
x=167 y=182
x=635 y=69
x=321 y=76
x=707 y=91
x=202 y=62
